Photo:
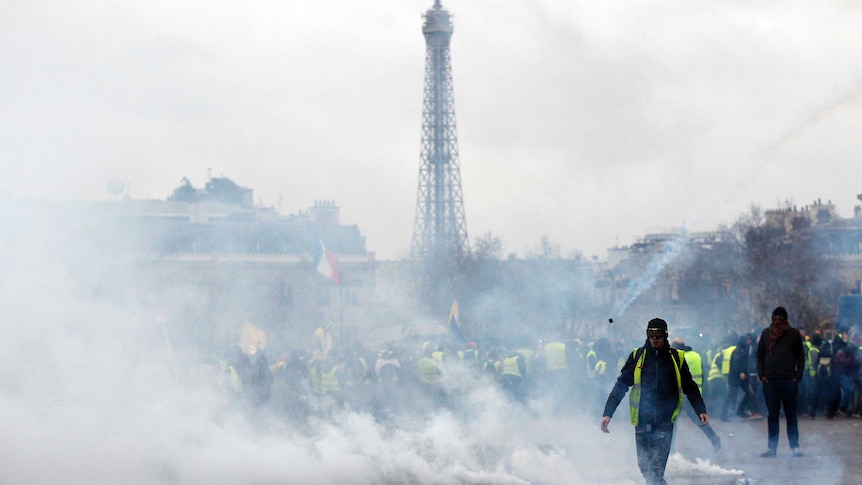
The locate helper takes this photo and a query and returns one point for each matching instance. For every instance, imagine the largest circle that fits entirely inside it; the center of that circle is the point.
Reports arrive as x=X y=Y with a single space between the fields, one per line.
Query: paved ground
x=832 y=453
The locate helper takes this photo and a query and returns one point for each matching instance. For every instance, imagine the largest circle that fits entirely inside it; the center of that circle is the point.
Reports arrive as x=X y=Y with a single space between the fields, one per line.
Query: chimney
x=324 y=212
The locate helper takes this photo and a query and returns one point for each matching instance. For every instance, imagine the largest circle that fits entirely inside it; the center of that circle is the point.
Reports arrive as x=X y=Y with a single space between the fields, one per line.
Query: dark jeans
x=514 y=386
x=653 y=445
x=780 y=392
x=747 y=403
x=729 y=401
x=716 y=394
x=827 y=394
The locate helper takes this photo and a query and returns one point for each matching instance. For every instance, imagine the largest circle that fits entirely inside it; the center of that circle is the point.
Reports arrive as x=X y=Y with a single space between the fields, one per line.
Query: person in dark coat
x=738 y=380
x=660 y=377
x=827 y=389
x=846 y=364
x=780 y=365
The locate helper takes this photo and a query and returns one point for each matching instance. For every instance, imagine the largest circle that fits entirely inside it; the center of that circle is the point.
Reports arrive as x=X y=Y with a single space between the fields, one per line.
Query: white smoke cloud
x=91 y=391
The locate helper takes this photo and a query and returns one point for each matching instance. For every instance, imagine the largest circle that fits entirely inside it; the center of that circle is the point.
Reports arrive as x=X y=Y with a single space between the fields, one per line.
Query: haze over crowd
x=94 y=392
x=97 y=390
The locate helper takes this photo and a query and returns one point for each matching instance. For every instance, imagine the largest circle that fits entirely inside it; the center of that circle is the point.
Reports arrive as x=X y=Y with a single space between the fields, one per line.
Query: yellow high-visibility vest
x=491 y=366
x=635 y=394
x=714 y=369
x=725 y=362
x=234 y=382
x=429 y=373
x=356 y=379
x=695 y=365
x=510 y=367
x=468 y=355
x=555 y=356
x=591 y=359
x=329 y=380
x=314 y=375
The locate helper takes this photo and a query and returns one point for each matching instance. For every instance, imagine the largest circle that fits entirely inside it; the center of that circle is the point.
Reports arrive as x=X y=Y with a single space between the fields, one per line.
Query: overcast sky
x=589 y=122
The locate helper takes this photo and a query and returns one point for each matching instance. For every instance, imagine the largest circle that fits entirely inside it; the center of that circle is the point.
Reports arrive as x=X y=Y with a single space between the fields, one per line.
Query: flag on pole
x=251 y=339
x=455 y=324
x=326 y=263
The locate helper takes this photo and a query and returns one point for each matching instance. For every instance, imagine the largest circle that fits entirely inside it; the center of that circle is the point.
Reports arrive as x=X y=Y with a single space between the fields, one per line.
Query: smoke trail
x=794 y=132
x=674 y=246
x=813 y=119
x=671 y=249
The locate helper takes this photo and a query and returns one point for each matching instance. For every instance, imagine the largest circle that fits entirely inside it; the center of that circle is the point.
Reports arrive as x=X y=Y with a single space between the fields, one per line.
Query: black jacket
x=786 y=358
x=739 y=362
x=659 y=392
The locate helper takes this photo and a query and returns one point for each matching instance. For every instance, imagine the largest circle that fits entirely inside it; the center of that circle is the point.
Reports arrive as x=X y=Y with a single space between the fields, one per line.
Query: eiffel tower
x=440 y=241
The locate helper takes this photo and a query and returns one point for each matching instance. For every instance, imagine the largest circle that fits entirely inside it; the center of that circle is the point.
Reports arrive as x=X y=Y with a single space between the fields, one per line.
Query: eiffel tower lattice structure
x=440 y=240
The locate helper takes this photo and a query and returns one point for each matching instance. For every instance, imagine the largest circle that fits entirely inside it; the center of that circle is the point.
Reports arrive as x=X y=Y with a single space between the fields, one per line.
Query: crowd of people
x=427 y=375
x=830 y=386
x=741 y=377
x=416 y=376
x=419 y=376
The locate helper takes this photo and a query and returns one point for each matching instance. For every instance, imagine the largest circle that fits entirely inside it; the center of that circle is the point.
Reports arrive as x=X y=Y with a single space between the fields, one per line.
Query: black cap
x=780 y=312
x=657 y=324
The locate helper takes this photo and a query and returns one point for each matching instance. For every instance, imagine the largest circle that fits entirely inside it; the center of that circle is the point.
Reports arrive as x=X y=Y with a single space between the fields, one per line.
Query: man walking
x=780 y=365
x=658 y=375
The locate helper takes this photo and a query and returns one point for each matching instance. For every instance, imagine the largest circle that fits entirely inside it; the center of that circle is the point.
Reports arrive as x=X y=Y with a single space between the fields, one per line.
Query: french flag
x=455 y=323
x=325 y=262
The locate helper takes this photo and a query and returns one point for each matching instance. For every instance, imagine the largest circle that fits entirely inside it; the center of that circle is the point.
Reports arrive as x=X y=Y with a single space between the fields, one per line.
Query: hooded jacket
x=739 y=361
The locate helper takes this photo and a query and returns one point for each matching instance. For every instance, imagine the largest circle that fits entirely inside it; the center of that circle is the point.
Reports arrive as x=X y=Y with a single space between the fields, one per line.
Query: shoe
x=767 y=454
x=795 y=451
x=716 y=444
x=755 y=417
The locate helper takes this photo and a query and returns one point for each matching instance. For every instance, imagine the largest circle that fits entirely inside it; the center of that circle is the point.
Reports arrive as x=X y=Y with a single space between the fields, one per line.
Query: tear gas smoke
x=92 y=393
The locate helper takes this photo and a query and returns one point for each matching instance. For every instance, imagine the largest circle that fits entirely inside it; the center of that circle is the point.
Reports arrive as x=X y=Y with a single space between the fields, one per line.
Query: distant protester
x=780 y=366
x=739 y=382
x=826 y=392
x=846 y=363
